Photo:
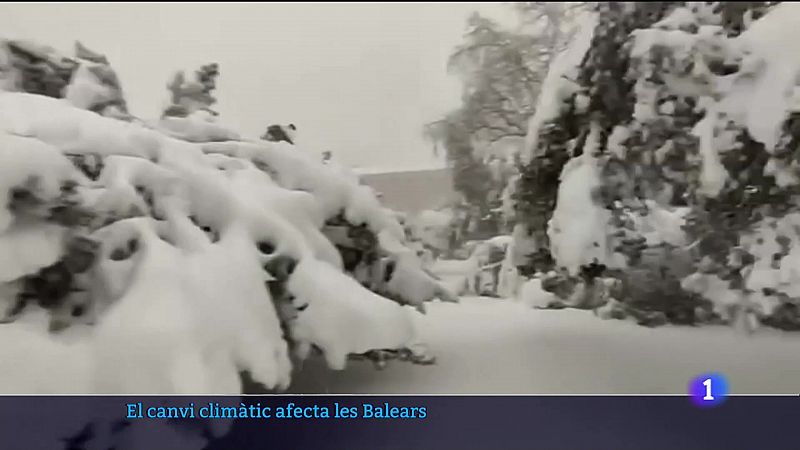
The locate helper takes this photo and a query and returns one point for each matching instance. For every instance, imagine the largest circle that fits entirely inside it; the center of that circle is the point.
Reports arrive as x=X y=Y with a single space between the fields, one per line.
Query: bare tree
x=501 y=71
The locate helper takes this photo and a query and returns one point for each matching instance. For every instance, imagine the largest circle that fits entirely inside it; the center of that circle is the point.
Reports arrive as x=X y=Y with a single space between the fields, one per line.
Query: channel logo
x=708 y=390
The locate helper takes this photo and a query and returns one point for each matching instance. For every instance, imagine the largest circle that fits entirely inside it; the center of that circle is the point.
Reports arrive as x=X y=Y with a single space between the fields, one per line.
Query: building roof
x=412 y=191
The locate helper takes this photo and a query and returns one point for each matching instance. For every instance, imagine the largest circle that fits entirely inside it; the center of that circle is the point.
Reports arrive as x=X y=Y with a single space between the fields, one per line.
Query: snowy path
x=497 y=346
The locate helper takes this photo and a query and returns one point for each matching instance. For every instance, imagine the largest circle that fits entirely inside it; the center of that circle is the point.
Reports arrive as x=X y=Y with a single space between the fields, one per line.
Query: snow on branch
x=196 y=260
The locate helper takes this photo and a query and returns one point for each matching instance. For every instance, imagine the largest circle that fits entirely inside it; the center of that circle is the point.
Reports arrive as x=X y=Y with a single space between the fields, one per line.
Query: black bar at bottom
x=435 y=422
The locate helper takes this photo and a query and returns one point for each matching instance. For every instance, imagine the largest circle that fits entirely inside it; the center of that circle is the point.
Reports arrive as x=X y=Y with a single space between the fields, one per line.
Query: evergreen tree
x=189 y=96
x=653 y=144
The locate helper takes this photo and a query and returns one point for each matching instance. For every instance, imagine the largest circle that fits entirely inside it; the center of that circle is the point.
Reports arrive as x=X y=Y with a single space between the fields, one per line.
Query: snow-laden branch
x=186 y=290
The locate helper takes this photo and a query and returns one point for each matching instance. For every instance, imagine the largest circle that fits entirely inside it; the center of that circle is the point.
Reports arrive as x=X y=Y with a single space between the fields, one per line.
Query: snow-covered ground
x=496 y=346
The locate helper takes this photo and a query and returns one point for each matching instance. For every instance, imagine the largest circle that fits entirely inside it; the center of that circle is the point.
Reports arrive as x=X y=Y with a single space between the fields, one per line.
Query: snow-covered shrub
x=481 y=272
x=204 y=260
x=432 y=228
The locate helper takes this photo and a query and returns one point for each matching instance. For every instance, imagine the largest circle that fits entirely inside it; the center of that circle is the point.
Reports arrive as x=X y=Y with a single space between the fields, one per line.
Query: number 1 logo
x=708 y=389
x=708 y=396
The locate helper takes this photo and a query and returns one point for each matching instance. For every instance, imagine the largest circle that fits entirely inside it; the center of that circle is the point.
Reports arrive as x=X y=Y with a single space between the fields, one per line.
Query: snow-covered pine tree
x=85 y=79
x=195 y=254
x=34 y=68
x=190 y=96
x=655 y=99
x=188 y=115
x=95 y=86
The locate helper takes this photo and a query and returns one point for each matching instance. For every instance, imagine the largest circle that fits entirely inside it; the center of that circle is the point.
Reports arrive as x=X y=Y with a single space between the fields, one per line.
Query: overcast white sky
x=356 y=79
